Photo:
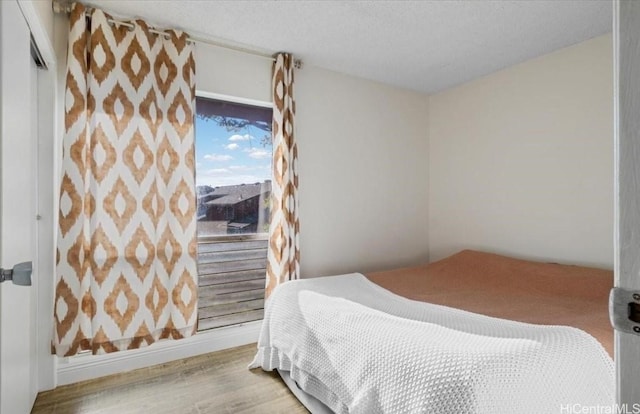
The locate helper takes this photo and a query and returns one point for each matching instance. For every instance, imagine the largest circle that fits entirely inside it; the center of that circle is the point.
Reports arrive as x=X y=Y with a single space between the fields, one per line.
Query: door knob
x=20 y=274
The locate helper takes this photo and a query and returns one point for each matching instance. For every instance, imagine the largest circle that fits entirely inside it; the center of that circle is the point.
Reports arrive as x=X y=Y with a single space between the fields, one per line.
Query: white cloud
x=212 y=172
x=232 y=146
x=219 y=171
x=259 y=154
x=217 y=157
x=245 y=137
x=246 y=168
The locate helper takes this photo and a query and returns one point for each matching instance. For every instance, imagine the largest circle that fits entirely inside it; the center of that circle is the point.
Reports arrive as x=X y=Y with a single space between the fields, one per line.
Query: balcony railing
x=231 y=274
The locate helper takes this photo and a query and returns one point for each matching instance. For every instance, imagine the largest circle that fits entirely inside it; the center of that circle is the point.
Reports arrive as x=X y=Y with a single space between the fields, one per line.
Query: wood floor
x=218 y=382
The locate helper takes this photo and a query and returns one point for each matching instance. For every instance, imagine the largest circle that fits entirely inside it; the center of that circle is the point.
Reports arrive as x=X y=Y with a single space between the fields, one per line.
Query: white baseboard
x=85 y=367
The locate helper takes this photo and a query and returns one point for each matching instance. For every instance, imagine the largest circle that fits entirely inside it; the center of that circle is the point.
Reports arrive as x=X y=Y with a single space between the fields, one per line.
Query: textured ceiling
x=426 y=46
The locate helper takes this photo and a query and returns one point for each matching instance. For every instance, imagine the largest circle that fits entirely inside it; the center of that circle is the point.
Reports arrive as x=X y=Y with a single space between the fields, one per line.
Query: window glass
x=233 y=167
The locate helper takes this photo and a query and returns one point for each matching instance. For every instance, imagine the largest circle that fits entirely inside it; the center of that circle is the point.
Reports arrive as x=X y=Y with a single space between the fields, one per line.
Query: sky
x=230 y=158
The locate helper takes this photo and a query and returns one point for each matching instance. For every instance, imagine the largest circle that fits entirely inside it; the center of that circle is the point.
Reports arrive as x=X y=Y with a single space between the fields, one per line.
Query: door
x=626 y=34
x=18 y=358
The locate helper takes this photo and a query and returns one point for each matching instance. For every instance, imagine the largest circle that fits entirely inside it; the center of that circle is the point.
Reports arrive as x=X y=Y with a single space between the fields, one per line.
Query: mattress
x=508 y=288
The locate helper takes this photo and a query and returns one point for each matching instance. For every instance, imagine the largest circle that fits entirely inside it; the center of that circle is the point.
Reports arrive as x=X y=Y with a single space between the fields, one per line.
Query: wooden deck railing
x=231 y=274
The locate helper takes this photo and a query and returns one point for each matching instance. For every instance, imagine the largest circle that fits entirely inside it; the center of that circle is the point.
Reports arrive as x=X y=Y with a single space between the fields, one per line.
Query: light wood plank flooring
x=218 y=382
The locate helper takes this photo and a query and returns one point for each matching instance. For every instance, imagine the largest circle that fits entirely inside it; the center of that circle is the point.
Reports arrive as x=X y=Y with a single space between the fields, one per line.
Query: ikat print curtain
x=126 y=248
x=283 y=257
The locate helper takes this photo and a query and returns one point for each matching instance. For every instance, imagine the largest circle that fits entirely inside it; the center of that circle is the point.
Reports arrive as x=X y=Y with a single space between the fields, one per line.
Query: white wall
x=363 y=189
x=363 y=193
x=521 y=161
x=232 y=73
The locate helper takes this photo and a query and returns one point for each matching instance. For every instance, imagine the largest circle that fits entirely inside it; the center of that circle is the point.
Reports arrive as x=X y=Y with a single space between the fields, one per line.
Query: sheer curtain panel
x=126 y=248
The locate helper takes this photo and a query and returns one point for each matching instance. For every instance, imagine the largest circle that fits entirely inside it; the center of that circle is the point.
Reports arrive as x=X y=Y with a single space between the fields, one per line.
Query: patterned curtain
x=126 y=251
x=283 y=258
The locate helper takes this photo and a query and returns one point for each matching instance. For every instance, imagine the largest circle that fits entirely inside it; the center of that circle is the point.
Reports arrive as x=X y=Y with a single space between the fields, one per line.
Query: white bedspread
x=359 y=348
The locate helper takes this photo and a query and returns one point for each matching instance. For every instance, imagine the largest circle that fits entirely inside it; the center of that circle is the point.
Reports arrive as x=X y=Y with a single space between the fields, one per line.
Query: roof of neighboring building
x=233 y=194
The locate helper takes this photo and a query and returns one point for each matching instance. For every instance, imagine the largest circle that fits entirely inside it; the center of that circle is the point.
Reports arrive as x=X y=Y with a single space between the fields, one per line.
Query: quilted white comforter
x=359 y=348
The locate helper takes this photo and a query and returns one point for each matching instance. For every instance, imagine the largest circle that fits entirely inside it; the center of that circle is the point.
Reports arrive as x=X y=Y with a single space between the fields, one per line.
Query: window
x=233 y=182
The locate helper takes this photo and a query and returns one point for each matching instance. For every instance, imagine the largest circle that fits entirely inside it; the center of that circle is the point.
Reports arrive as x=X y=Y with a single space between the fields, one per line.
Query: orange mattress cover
x=503 y=287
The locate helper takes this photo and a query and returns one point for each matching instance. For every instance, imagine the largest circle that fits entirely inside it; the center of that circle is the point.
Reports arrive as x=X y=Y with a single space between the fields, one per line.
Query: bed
x=520 y=335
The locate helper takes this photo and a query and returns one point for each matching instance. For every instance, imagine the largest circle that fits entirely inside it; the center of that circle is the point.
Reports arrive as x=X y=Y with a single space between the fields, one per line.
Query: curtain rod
x=64 y=7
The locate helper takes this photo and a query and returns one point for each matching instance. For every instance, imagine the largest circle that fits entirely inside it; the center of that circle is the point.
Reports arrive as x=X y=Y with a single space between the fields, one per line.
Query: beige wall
x=232 y=73
x=363 y=189
x=521 y=161
x=363 y=192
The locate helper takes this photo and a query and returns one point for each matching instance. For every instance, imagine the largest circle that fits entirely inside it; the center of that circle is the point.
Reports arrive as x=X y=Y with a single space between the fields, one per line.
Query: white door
x=626 y=35
x=18 y=357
